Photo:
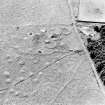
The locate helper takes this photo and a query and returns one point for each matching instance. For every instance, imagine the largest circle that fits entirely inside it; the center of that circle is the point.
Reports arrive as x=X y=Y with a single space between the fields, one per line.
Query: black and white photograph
x=52 y=52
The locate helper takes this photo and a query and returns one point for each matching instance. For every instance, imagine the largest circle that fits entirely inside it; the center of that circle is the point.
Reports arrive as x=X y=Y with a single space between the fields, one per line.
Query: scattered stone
x=8 y=81
x=31 y=74
x=6 y=73
x=17 y=93
x=11 y=91
x=22 y=71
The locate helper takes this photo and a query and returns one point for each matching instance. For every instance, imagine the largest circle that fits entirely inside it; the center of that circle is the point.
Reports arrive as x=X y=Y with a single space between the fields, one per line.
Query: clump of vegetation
x=96 y=49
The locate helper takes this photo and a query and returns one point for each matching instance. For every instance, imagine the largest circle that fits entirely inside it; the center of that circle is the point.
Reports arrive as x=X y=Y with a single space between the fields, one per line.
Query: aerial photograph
x=52 y=52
